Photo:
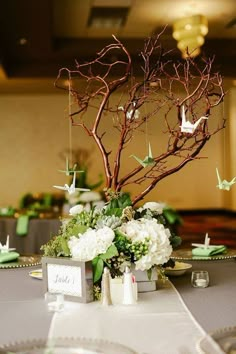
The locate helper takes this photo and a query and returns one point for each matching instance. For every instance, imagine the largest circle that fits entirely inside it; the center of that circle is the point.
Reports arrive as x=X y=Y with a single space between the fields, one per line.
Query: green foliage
x=172 y=216
x=56 y=247
x=117 y=203
x=98 y=262
x=138 y=249
x=111 y=252
x=121 y=242
x=175 y=241
x=98 y=265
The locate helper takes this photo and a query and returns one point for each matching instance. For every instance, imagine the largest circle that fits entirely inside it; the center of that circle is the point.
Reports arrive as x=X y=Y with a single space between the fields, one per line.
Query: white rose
x=77 y=209
x=155 y=207
x=88 y=197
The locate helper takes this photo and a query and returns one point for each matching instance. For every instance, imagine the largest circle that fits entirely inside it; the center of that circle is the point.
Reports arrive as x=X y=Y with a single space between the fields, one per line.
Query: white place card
x=67 y=276
x=64 y=279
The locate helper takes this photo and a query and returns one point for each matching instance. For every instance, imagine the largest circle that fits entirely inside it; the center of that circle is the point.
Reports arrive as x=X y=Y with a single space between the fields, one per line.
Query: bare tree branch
x=159 y=94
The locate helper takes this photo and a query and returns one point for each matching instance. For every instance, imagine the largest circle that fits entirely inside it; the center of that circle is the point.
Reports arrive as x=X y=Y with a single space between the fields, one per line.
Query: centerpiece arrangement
x=116 y=235
x=113 y=98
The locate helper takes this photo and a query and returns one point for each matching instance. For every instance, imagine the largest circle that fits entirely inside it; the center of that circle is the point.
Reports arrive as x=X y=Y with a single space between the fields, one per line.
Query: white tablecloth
x=159 y=323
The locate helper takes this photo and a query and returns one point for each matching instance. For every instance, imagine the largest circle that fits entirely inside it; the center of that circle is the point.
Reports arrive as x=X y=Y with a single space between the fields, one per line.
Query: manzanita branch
x=162 y=90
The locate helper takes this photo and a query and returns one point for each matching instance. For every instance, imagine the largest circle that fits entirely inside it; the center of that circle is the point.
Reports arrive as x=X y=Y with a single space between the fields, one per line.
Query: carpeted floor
x=219 y=224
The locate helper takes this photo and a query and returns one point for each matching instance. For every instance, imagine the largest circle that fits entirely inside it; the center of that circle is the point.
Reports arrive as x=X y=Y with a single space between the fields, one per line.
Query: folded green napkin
x=9 y=211
x=209 y=251
x=22 y=225
x=8 y=256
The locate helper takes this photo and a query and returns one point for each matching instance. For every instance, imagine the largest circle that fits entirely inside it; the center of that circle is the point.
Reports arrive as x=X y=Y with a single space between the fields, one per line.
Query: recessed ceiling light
x=108 y=17
x=22 y=41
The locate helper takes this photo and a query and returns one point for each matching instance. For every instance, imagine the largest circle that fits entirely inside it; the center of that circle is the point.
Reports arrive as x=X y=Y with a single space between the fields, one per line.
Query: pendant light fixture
x=189 y=32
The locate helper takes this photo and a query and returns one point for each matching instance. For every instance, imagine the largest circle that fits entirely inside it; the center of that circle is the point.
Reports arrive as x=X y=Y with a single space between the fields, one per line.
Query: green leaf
x=78 y=229
x=122 y=242
x=124 y=200
x=117 y=204
x=172 y=216
x=111 y=252
x=64 y=246
x=98 y=266
x=114 y=211
x=120 y=235
x=175 y=241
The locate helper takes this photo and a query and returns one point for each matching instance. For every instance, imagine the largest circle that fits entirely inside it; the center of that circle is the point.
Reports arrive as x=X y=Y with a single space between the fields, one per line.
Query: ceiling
x=39 y=37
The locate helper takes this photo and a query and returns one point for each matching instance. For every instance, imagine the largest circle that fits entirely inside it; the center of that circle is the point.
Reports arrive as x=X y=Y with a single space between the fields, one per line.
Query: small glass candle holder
x=55 y=301
x=200 y=279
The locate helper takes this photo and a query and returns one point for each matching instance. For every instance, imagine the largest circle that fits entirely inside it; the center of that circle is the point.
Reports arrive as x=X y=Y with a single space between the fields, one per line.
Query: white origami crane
x=206 y=243
x=224 y=184
x=68 y=169
x=72 y=189
x=132 y=113
x=5 y=248
x=187 y=126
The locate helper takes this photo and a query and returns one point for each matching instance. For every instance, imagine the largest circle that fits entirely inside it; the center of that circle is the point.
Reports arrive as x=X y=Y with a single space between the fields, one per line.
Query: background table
x=39 y=232
x=213 y=307
x=24 y=314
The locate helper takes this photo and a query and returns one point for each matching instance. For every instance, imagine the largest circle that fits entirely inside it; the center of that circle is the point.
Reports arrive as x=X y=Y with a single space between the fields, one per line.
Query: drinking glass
x=200 y=279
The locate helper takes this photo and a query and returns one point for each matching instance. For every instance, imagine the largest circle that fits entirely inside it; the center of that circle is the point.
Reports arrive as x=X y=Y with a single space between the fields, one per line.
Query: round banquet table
x=24 y=315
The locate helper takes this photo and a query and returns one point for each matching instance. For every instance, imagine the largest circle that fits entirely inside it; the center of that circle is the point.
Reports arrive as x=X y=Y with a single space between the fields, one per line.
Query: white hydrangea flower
x=159 y=248
x=91 y=243
x=77 y=209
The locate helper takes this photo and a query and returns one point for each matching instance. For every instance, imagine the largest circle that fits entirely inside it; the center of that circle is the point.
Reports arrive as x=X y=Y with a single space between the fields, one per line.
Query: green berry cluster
x=115 y=263
x=139 y=249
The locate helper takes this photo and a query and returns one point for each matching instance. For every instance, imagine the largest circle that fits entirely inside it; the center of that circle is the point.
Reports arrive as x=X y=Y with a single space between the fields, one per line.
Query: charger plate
x=22 y=261
x=67 y=346
x=225 y=338
x=185 y=254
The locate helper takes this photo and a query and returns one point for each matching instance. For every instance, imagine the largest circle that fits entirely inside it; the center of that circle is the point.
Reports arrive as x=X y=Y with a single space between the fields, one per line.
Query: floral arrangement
x=115 y=235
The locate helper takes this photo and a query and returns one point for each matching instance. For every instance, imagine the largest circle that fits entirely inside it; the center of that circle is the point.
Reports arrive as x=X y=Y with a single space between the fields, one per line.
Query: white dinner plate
x=179 y=269
x=36 y=273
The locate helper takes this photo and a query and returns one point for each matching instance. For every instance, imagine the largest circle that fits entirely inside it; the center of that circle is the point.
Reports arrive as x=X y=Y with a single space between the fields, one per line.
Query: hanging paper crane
x=72 y=189
x=133 y=113
x=187 y=126
x=225 y=185
x=148 y=160
x=70 y=170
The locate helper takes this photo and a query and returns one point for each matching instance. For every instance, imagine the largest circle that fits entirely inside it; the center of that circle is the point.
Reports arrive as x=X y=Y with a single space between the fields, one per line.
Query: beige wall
x=230 y=158
x=34 y=132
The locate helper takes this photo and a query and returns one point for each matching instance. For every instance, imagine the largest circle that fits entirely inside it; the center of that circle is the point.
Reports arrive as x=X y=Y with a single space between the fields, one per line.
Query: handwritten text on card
x=64 y=279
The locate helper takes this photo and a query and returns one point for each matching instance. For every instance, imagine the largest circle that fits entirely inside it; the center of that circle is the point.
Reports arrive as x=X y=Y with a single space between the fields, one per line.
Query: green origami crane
x=224 y=184
x=148 y=160
x=68 y=171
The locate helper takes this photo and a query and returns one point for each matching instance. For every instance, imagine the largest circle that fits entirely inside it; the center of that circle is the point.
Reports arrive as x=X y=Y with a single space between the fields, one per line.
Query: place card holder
x=72 y=278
